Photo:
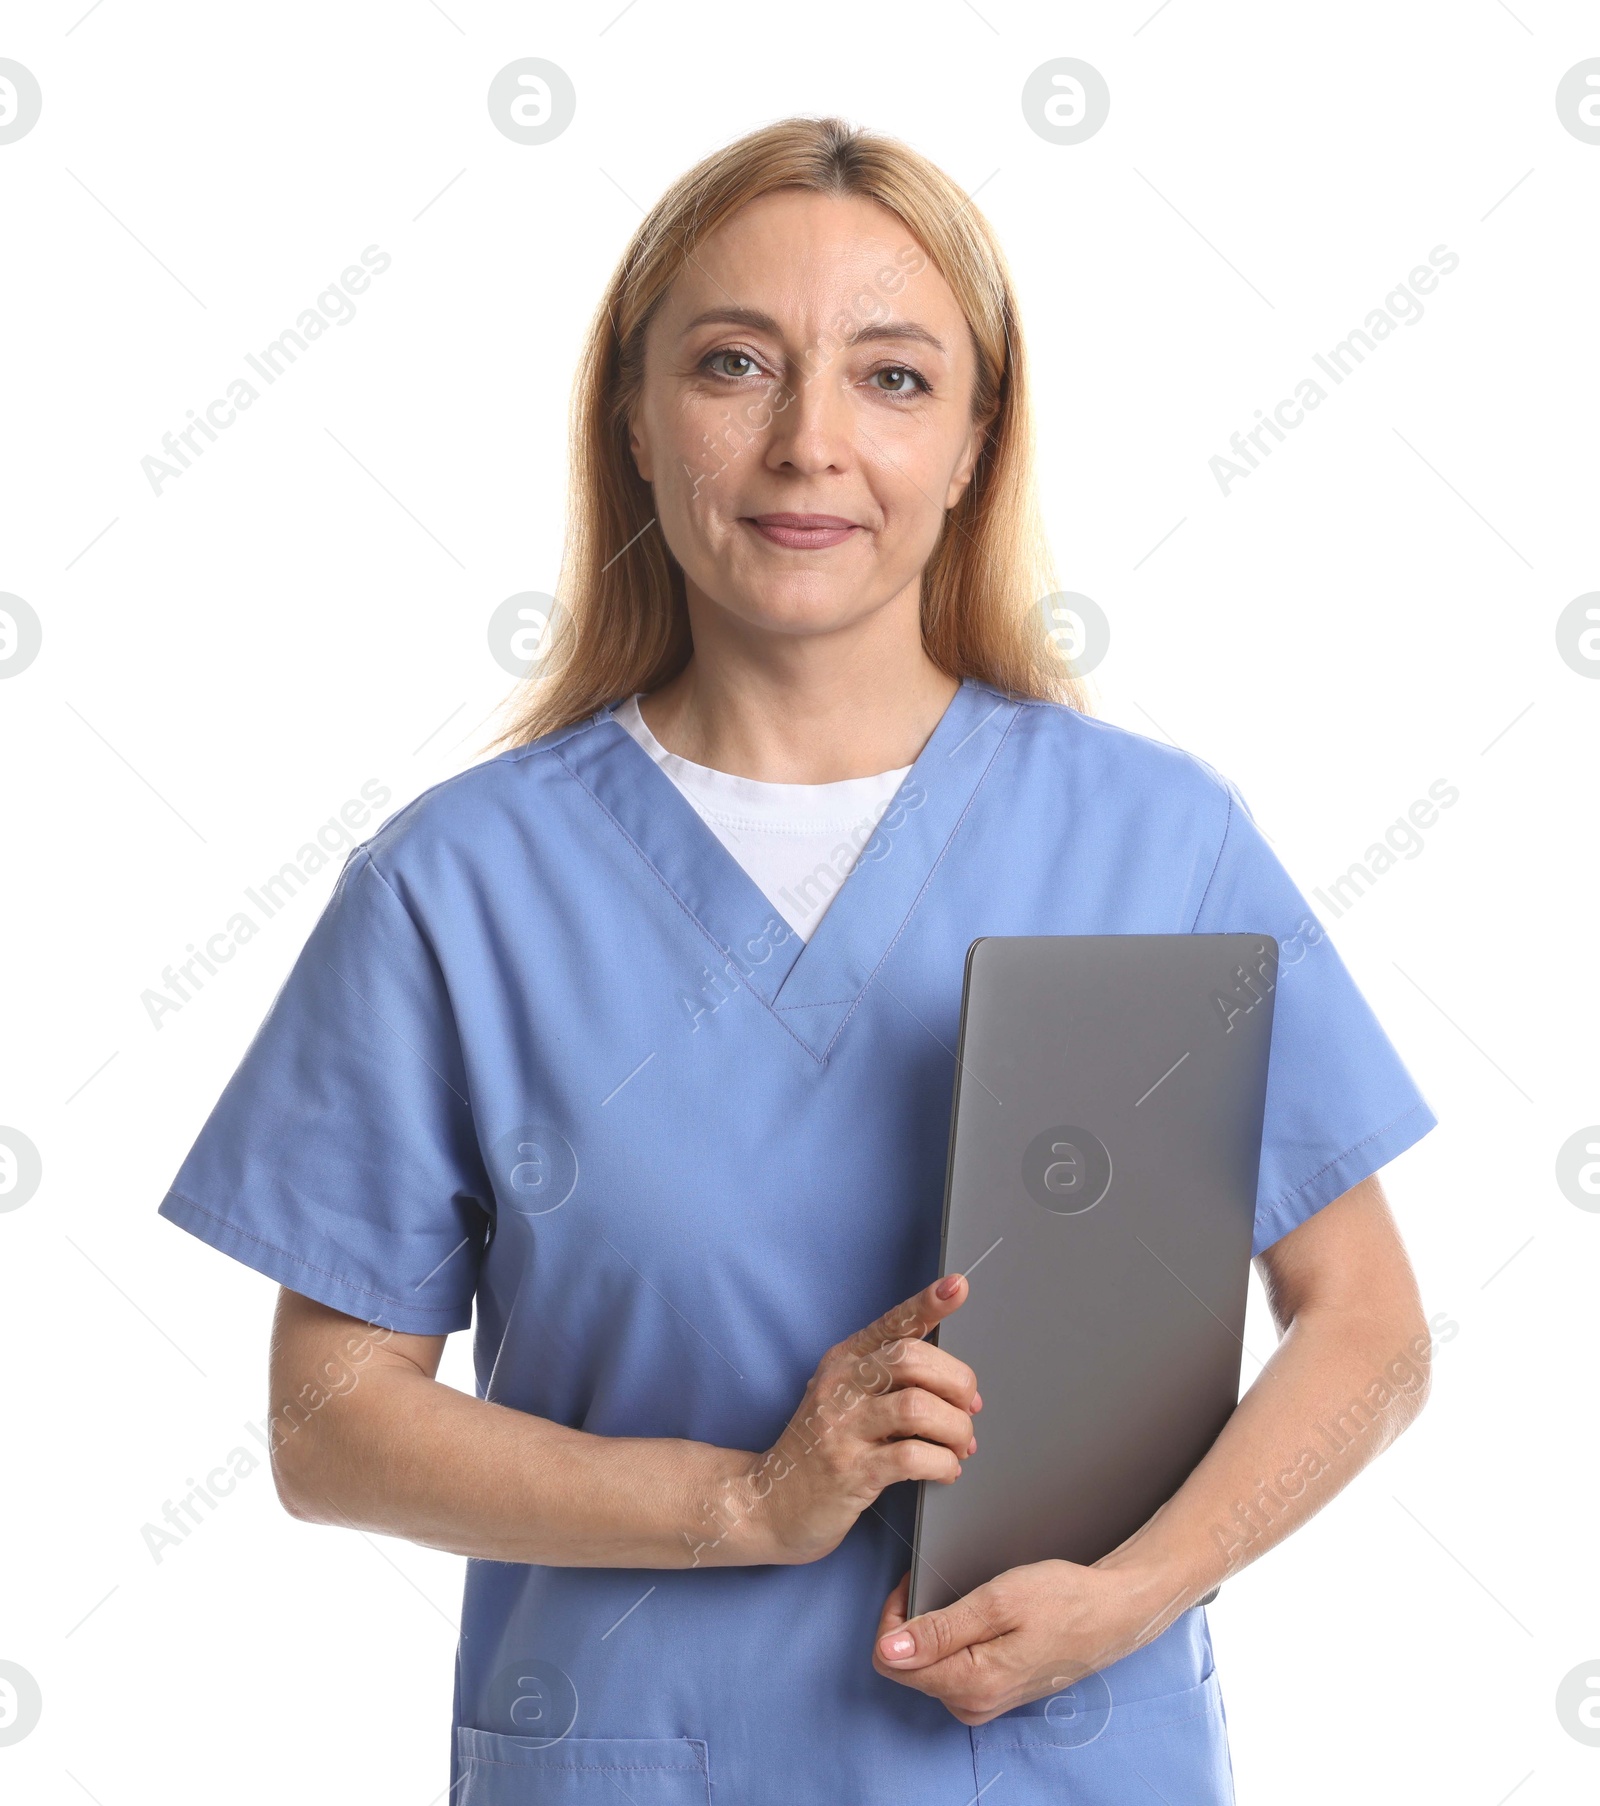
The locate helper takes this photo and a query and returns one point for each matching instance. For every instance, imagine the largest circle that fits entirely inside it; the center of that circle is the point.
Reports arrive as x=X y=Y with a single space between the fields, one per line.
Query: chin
x=802 y=612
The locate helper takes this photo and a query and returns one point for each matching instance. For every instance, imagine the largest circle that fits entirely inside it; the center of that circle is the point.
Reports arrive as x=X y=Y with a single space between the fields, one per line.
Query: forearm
x=406 y=1456
x=1337 y=1391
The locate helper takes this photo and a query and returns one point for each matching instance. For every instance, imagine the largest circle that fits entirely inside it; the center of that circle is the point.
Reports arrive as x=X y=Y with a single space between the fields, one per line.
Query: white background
x=226 y=663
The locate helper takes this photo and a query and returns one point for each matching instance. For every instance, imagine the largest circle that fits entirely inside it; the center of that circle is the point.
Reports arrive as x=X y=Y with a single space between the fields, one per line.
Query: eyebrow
x=759 y=322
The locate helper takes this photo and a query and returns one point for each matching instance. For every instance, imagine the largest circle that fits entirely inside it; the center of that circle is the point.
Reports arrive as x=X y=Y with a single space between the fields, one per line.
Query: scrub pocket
x=1173 y=1747
x=582 y=1771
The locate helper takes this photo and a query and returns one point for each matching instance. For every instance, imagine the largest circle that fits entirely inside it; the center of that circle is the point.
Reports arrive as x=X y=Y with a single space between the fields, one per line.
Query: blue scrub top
x=549 y=1053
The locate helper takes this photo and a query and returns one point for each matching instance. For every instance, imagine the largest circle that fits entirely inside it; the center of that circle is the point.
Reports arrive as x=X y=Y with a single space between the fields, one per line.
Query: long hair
x=621 y=622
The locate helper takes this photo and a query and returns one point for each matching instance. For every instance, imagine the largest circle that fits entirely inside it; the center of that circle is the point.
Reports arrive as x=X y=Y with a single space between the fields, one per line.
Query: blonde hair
x=621 y=622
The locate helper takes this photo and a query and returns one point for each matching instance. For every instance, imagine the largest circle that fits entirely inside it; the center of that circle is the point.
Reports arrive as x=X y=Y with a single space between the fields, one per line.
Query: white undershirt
x=798 y=842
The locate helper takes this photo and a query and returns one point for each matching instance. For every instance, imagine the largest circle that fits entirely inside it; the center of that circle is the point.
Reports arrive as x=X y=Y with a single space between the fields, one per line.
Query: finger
x=934 y=1369
x=935 y=1637
x=911 y=1414
x=893 y=1614
x=921 y=1312
x=886 y=1464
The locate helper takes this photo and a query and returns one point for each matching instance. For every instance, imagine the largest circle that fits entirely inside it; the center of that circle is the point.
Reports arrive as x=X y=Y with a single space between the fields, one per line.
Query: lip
x=803 y=532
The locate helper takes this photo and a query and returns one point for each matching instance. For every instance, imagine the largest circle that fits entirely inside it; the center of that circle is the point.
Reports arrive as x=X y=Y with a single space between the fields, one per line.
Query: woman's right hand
x=882 y=1406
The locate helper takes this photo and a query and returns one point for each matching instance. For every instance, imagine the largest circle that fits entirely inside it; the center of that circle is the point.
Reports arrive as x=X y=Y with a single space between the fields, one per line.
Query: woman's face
x=807 y=361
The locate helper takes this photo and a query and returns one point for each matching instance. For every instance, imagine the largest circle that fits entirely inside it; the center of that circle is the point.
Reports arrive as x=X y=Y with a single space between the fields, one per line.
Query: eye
x=903 y=376
x=708 y=362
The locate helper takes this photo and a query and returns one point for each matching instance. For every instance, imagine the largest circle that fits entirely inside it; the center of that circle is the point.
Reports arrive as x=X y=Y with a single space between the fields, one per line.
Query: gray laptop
x=1105 y=1141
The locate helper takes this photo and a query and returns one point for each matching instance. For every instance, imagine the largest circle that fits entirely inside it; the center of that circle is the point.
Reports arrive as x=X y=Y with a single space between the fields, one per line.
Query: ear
x=639 y=446
x=961 y=476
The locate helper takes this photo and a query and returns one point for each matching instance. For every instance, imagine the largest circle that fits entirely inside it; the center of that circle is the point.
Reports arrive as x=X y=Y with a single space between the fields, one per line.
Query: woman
x=637 y=1038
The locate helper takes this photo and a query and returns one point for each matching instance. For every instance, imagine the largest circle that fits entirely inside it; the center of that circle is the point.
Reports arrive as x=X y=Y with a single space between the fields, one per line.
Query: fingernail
x=898 y=1645
x=946 y=1288
x=977 y=1401
x=972 y=1447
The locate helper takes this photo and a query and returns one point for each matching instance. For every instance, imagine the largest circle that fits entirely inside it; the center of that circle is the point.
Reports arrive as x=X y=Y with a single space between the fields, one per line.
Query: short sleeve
x=1340 y=1102
x=341 y=1159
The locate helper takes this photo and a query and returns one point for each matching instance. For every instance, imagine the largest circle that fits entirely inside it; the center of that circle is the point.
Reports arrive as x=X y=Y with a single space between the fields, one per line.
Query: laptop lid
x=1100 y=1192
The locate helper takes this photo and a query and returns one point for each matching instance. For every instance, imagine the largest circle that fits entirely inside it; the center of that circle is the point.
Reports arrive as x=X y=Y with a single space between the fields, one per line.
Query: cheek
x=706 y=440
x=910 y=478
x=698 y=470
x=680 y=460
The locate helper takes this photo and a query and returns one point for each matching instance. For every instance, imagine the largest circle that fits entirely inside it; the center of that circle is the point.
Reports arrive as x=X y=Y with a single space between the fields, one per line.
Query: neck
x=802 y=709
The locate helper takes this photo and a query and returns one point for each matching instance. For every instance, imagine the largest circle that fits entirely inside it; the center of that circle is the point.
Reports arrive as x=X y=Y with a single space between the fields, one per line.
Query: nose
x=812 y=423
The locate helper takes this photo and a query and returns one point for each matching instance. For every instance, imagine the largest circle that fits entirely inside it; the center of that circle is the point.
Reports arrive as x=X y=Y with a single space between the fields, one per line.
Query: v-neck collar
x=812 y=986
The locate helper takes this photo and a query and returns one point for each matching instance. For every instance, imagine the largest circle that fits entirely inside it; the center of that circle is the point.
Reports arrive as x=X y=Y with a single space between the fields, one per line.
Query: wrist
x=1155 y=1586
x=725 y=1524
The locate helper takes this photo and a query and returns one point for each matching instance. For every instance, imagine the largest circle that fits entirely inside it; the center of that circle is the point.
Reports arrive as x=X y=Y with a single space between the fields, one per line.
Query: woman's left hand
x=1029 y=1632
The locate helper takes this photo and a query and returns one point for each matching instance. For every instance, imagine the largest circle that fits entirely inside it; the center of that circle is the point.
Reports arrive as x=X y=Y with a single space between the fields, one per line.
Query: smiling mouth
x=803 y=532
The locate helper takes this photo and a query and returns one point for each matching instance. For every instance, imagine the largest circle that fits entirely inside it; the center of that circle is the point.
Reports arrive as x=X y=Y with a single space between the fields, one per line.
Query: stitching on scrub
x=514 y=754
x=1147 y=1730
x=438 y=969
x=1217 y=780
x=366 y=1003
x=1288 y=1196
x=1227 y=829
x=723 y=952
x=431 y=1310
x=589 y=1768
x=932 y=872
x=755 y=824
x=1203 y=1710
